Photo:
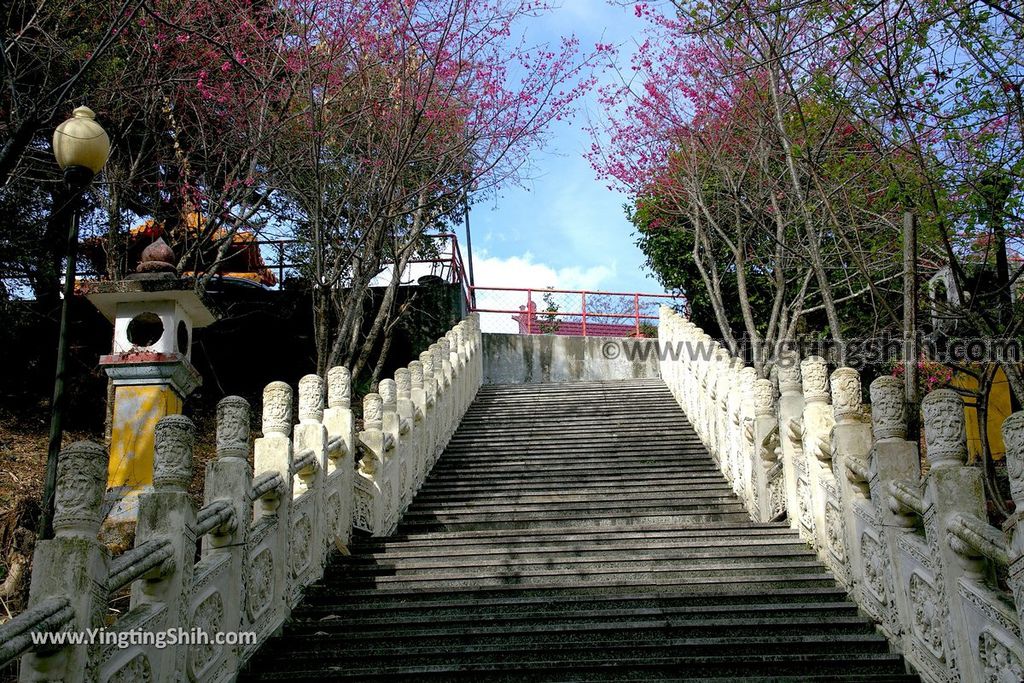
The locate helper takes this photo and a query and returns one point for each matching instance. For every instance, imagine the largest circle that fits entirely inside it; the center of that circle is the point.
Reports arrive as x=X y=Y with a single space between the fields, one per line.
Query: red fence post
x=529 y=311
x=636 y=308
x=584 y=295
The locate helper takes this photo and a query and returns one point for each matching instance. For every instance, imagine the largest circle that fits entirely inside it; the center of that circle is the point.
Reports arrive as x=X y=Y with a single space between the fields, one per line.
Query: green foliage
x=667 y=243
x=549 y=318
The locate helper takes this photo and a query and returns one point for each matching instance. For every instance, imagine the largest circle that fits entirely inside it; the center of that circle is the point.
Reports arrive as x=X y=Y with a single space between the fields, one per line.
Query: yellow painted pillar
x=137 y=409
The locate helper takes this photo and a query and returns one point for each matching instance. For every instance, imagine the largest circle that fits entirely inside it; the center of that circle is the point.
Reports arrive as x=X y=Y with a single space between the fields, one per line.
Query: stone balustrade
x=917 y=552
x=273 y=510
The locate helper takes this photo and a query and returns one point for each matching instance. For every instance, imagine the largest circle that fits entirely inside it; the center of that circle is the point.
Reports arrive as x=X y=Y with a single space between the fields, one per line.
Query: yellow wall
x=998 y=410
x=136 y=412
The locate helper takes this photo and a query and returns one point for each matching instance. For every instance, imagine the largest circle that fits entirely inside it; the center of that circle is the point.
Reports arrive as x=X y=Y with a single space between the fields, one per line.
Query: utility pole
x=910 y=351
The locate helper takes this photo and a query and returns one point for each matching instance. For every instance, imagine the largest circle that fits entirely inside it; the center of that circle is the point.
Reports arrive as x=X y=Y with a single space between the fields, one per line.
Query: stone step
x=564 y=438
x=524 y=612
x=786 y=661
x=594 y=537
x=709 y=586
x=419 y=638
x=587 y=575
x=597 y=455
x=707 y=486
x=430 y=522
x=562 y=538
x=553 y=557
x=556 y=474
x=595 y=485
x=598 y=670
x=485 y=496
x=512 y=599
x=664 y=503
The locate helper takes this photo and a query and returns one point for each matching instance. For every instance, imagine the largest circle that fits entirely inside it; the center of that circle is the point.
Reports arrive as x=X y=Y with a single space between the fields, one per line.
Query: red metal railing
x=574 y=312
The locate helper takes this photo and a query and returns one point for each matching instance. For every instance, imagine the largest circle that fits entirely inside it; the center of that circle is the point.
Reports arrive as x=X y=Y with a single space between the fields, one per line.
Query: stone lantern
x=154 y=315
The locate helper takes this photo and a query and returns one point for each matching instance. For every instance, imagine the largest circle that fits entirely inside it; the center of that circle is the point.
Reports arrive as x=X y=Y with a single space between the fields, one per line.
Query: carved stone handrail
x=49 y=616
x=216 y=515
x=268 y=483
x=905 y=498
x=980 y=536
x=138 y=562
x=305 y=460
x=858 y=470
x=337 y=446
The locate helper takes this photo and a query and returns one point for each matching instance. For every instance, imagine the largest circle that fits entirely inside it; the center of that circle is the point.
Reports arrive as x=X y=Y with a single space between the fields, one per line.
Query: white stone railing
x=917 y=553
x=263 y=535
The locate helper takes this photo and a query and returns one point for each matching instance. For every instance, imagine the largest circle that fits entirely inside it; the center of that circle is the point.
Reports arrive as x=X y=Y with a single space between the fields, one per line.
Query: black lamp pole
x=81 y=148
x=77 y=179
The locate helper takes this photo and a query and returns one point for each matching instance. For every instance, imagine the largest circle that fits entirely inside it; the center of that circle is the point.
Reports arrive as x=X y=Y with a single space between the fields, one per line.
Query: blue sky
x=564 y=228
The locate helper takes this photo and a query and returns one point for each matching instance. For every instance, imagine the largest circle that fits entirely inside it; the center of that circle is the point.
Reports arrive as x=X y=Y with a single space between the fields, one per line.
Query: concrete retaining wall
x=536 y=358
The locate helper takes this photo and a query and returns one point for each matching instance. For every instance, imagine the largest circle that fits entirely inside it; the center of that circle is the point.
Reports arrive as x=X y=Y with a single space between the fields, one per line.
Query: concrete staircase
x=578 y=532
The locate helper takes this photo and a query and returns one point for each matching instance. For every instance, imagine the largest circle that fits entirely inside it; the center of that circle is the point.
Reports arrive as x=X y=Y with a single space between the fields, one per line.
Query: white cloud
x=523 y=271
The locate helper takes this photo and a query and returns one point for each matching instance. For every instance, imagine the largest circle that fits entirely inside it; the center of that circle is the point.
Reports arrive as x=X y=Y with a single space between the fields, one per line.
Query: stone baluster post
x=714 y=413
x=690 y=355
x=730 y=450
x=791 y=418
x=418 y=394
x=893 y=458
x=430 y=413
x=851 y=451
x=747 y=457
x=412 y=440
x=669 y=332
x=707 y=412
x=467 y=389
x=1013 y=437
x=310 y=434
x=73 y=565
x=704 y=388
x=452 y=355
x=709 y=393
x=472 y=353
x=666 y=335
x=370 y=512
x=340 y=424
x=817 y=447
x=167 y=514
x=458 y=358
x=671 y=365
x=949 y=487
x=229 y=479
x=273 y=453
x=444 y=353
x=395 y=465
x=477 y=350
x=734 y=414
x=443 y=375
x=769 y=481
x=716 y=395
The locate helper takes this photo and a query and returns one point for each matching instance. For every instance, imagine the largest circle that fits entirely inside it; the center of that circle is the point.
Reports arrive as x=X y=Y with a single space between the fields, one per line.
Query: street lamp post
x=81 y=147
